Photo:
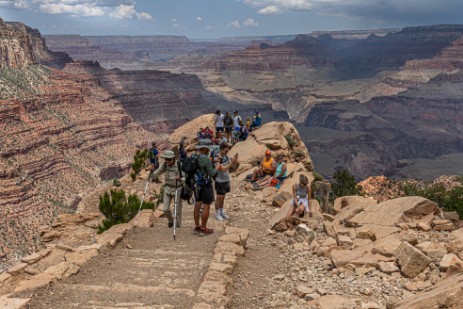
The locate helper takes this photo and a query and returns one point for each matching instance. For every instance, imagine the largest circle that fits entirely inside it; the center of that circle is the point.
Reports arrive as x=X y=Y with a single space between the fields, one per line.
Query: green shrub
x=290 y=140
x=139 y=160
x=118 y=209
x=344 y=184
x=116 y=182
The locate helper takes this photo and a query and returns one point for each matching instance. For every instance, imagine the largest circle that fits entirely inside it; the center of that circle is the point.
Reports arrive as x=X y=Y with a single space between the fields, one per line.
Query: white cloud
x=124 y=11
x=199 y=18
x=79 y=9
x=15 y=4
x=250 y=23
x=278 y=6
x=235 y=24
x=270 y=10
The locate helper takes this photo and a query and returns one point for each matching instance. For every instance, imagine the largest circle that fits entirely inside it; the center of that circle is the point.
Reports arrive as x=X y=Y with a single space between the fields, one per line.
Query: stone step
x=99 y=296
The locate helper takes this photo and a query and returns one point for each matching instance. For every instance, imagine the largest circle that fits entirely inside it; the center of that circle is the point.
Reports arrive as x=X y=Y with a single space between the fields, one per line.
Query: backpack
x=228 y=121
x=190 y=166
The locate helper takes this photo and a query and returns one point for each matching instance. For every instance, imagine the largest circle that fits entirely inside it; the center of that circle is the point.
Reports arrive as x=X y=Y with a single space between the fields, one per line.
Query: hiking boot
x=206 y=231
x=170 y=224
x=197 y=230
x=225 y=216
x=218 y=217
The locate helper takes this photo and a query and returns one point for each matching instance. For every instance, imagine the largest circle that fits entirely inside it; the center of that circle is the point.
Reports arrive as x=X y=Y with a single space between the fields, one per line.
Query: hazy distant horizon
x=217 y=19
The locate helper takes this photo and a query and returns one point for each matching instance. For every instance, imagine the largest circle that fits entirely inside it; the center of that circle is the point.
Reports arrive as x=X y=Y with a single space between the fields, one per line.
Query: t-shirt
x=219 y=120
x=236 y=121
x=223 y=176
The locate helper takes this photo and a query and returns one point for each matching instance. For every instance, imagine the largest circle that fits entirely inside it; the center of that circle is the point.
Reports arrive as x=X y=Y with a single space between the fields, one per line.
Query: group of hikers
x=202 y=172
x=230 y=129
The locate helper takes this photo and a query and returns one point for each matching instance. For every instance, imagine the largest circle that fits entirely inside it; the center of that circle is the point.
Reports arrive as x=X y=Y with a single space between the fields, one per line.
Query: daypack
x=228 y=121
x=190 y=166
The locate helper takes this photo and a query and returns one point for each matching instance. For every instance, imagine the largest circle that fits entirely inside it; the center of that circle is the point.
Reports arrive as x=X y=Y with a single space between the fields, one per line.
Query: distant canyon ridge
x=376 y=102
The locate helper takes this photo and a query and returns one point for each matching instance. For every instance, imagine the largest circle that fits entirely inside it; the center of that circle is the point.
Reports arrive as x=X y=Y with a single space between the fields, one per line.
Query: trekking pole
x=175 y=206
x=143 y=198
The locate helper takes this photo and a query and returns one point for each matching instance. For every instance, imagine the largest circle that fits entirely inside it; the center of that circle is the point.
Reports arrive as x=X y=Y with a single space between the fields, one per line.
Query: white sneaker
x=218 y=217
x=225 y=216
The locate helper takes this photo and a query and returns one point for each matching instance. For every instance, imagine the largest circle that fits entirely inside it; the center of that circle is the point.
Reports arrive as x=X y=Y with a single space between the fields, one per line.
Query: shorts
x=205 y=194
x=222 y=188
x=219 y=129
x=228 y=130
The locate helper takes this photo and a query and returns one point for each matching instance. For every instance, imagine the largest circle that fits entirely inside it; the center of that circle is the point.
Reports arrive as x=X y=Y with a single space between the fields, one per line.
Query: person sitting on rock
x=301 y=195
x=243 y=133
x=277 y=178
x=174 y=180
x=266 y=168
x=200 y=135
x=256 y=121
x=208 y=133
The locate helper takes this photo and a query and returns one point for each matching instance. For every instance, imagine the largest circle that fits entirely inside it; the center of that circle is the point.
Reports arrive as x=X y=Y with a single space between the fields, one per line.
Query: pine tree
x=344 y=184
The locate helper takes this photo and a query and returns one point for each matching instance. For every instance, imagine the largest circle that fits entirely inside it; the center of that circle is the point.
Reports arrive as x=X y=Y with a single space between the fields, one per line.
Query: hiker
x=181 y=149
x=222 y=181
x=256 y=121
x=243 y=133
x=266 y=168
x=235 y=136
x=277 y=179
x=222 y=139
x=228 y=125
x=236 y=121
x=208 y=133
x=204 y=193
x=219 y=126
x=153 y=156
x=200 y=135
x=301 y=195
x=248 y=123
x=173 y=180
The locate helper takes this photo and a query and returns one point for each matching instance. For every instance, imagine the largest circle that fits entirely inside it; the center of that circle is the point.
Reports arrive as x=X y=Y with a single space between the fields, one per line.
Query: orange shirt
x=267 y=166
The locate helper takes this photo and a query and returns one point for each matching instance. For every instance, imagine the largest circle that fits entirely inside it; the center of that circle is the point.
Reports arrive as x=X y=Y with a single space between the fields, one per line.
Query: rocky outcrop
x=41 y=52
x=15 y=48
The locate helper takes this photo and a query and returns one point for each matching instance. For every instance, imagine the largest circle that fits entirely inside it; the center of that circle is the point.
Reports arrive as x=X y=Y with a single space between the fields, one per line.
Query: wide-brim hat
x=202 y=146
x=168 y=154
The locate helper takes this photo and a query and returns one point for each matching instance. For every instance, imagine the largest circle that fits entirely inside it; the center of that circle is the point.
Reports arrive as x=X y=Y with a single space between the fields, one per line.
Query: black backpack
x=190 y=166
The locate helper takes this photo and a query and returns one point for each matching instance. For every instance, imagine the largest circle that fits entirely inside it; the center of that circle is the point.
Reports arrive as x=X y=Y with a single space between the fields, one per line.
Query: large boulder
x=280 y=137
x=411 y=260
x=412 y=209
x=190 y=129
x=353 y=201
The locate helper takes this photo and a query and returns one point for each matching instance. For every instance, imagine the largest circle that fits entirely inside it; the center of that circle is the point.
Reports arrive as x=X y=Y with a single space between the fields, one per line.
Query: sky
x=213 y=19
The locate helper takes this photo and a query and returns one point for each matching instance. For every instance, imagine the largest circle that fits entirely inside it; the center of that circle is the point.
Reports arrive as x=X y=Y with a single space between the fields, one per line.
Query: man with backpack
x=222 y=181
x=228 y=123
x=173 y=180
x=204 y=193
x=153 y=155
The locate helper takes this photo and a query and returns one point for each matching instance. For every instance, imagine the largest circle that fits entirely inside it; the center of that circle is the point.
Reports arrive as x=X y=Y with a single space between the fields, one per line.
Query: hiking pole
x=175 y=206
x=143 y=198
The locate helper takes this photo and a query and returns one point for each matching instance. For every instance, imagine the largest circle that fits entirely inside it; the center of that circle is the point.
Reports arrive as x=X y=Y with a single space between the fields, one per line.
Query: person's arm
x=309 y=192
x=274 y=165
x=161 y=169
x=223 y=168
x=294 y=194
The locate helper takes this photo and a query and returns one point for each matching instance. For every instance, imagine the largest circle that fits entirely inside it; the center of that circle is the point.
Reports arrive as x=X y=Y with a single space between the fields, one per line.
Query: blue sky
x=225 y=18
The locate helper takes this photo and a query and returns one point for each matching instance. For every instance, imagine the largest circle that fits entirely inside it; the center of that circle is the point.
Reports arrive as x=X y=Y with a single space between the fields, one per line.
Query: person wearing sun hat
x=173 y=182
x=266 y=168
x=204 y=193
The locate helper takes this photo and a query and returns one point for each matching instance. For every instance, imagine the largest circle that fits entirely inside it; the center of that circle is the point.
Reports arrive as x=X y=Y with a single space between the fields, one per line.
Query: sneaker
x=197 y=230
x=218 y=217
x=225 y=216
x=170 y=224
x=206 y=231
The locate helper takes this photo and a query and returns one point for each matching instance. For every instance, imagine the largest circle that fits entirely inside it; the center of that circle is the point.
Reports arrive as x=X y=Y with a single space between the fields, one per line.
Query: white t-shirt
x=219 y=120
x=236 y=121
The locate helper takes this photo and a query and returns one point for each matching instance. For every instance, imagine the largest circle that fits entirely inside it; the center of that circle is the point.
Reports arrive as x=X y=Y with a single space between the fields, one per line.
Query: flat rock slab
x=13 y=303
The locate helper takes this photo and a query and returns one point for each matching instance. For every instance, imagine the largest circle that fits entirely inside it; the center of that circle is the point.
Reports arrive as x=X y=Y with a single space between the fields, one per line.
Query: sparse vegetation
x=344 y=184
x=138 y=162
x=116 y=182
x=290 y=140
x=118 y=208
